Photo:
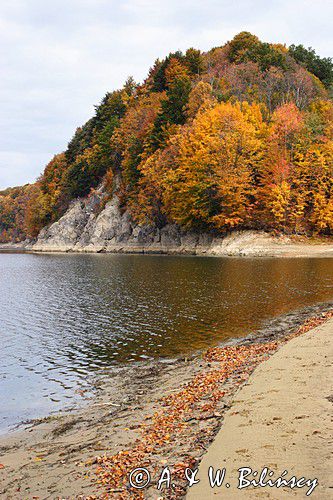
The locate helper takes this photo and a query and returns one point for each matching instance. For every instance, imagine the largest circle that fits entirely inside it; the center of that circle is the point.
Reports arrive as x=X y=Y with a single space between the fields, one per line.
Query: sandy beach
x=168 y=414
x=281 y=419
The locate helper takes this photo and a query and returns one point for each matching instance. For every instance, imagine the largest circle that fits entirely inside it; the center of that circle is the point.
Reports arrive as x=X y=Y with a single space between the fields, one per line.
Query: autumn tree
x=173 y=107
x=209 y=179
x=130 y=138
x=239 y=136
x=200 y=98
x=247 y=47
x=275 y=190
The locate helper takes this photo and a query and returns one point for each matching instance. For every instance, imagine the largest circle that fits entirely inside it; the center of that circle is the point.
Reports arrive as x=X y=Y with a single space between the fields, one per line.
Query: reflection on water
x=64 y=317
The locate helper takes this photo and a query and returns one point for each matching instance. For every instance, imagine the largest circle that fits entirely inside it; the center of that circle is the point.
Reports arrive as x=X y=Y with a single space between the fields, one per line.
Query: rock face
x=87 y=228
x=81 y=229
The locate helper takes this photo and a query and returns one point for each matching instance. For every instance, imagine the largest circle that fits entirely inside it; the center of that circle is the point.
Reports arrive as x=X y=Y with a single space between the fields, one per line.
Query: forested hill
x=237 y=137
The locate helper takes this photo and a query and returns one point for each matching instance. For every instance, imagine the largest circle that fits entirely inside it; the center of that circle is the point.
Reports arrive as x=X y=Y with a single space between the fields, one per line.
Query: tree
x=157 y=80
x=81 y=140
x=111 y=108
x=194 y=61
x=173 y=108
x=210 y=182
x=130 y=138
x=314 y=175
x=242 y=46
x=321 y=67
x=237 y=137
x=322 y=214
x=200 y=97
x=247 y=47
x=86 y=172
x=38 y=212
x=287 y=122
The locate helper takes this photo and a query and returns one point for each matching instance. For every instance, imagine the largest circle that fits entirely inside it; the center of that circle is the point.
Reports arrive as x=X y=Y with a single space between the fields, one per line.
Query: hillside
x=239 y=137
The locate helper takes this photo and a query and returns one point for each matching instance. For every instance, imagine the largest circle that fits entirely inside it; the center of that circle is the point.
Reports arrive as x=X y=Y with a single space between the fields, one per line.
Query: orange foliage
x=238 y=137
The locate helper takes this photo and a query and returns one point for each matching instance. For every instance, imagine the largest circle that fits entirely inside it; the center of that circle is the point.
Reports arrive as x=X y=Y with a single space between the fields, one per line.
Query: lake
x=65 y=318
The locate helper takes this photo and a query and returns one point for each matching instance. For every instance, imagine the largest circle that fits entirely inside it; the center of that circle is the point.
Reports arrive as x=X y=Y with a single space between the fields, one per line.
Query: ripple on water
x=66 y=318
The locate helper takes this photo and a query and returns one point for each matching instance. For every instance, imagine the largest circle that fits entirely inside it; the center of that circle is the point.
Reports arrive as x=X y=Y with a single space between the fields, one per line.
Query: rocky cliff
x=85 y=227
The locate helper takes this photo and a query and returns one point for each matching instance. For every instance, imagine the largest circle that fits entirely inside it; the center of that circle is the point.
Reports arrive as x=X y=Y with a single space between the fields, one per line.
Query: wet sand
x=58 y=457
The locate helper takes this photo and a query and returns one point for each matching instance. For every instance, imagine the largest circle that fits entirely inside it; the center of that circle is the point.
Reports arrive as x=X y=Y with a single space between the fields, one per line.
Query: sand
x=54 y=458
x=280 y=419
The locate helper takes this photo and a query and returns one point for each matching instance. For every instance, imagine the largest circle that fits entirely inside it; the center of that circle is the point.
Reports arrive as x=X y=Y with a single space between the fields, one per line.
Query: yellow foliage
x=204 y=176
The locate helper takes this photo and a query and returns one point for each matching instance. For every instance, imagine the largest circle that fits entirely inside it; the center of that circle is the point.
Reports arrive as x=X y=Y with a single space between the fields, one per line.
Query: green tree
x=173 y=110
x=321 y=67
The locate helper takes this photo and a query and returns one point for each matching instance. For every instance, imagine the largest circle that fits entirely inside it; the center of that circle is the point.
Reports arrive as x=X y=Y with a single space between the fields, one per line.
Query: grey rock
x=89 y=226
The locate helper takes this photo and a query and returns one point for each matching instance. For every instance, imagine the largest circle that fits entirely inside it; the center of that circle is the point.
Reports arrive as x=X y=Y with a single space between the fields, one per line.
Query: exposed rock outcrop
x=89 y=226
x=81 y=229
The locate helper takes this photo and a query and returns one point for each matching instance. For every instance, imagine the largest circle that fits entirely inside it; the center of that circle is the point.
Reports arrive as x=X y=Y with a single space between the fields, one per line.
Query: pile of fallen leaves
x=234 y=362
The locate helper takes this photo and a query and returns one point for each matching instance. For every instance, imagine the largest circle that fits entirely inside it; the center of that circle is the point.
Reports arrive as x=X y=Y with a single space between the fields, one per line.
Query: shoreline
x=302 y=251
x=57 y=455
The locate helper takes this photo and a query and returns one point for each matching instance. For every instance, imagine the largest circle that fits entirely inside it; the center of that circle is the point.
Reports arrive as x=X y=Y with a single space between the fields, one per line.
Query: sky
x=58 y=58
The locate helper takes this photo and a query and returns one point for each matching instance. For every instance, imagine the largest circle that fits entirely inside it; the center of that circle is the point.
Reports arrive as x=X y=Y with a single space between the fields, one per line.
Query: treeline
x=238 y=137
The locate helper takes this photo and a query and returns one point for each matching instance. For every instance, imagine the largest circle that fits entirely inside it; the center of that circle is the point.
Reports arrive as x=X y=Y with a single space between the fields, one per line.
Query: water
x=64 y=318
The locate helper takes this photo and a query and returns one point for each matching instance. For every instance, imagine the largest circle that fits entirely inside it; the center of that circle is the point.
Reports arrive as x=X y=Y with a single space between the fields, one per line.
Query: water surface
x=64 y=318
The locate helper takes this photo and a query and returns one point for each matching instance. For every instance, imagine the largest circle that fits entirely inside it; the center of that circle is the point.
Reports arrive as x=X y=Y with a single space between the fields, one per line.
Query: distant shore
x=239 y=244
x=160 y=413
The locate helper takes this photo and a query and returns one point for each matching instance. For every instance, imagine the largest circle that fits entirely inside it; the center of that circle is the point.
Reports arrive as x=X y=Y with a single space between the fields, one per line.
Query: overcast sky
x=59 y=57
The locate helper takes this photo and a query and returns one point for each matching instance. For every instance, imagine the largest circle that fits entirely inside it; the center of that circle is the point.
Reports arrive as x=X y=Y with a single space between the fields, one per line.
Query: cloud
x=59 y=58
